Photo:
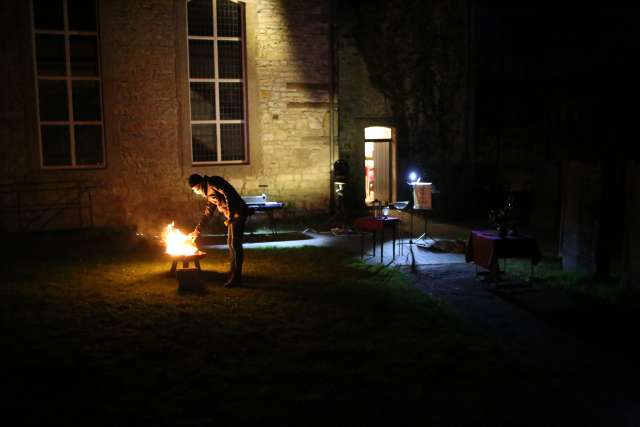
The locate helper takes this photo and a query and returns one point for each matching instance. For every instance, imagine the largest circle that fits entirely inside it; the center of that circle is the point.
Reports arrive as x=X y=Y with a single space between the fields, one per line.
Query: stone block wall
x=631 y=243
x=582 y=189
x=361 y=106
x=139 y=52
x=294 y=71
x=16 y=92
x=600 y=228
x=146 y=114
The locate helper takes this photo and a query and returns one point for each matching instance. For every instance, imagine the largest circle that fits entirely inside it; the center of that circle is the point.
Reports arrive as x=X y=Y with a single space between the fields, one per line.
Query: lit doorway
x=379 y=164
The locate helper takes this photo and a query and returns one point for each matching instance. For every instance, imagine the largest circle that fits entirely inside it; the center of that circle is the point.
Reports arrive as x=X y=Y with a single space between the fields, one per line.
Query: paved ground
x=599 y=382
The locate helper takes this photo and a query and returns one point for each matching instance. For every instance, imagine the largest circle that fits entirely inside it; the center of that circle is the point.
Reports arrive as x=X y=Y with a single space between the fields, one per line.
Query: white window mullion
x=92 y=78
x=85 y=78
x=67 y=50
x=63 y=32
x=203 y=122
x=217 y=82
x=37 y=80
x=202 y=80
x=64 y=123
x=226 y=162
x=243 y=37
x=68 y=123
x=200 y=37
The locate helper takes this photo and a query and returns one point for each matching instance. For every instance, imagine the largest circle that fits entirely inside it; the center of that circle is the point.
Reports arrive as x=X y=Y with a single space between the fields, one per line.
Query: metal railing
x=34 y=206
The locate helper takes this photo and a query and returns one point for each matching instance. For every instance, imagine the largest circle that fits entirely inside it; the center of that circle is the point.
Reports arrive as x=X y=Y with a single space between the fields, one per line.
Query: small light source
x=412 y=177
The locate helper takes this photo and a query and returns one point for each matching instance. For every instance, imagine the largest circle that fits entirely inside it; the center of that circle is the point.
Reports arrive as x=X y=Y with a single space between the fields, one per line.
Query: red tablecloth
x=374 y=224
x=485 y=247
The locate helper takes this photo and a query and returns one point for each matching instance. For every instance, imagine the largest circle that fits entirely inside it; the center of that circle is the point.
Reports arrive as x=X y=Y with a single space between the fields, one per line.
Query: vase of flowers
x=502 y=219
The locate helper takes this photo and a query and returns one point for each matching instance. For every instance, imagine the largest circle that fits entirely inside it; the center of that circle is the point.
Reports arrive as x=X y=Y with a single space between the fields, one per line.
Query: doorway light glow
x=368 y=150
x=377 y=132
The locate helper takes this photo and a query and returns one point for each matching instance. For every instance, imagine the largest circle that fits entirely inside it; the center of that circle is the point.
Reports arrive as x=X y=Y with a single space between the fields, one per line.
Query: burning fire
x=177 y=242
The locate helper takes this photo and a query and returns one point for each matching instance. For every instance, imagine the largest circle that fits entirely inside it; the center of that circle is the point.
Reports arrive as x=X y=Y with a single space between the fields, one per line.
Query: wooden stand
x=186 y=259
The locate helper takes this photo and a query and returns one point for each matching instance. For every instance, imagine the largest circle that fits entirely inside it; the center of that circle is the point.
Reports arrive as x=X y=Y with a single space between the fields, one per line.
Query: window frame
x=68 y=78
x=216 y=82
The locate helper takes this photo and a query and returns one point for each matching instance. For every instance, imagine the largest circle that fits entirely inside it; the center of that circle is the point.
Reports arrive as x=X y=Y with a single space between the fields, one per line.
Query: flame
x=177 y=242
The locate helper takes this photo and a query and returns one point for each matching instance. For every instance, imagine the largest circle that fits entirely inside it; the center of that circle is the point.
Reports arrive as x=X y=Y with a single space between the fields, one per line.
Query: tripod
x=425 y=236
x=422 y=239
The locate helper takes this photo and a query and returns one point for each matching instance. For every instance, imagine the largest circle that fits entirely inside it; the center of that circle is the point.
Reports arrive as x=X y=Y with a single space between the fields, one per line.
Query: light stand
x=420 y=241
x=413 y=178
x=422 y=204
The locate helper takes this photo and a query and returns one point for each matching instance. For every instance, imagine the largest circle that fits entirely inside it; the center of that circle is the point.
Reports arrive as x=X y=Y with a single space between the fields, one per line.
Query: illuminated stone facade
x=146 y=114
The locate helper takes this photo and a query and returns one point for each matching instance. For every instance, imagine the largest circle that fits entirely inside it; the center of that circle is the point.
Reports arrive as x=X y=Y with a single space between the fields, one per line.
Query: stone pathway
x=597 y=380
x=585 y=379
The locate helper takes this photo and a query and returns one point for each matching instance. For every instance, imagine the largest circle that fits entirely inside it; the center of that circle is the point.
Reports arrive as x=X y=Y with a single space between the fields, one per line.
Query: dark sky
x=556 y=42
x=568 y=75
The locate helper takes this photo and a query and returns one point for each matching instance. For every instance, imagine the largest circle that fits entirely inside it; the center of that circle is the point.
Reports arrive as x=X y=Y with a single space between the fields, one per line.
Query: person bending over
x=221 y=196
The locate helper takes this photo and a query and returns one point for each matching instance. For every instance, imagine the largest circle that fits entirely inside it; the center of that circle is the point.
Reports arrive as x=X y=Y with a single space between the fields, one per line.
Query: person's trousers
x=235 y=233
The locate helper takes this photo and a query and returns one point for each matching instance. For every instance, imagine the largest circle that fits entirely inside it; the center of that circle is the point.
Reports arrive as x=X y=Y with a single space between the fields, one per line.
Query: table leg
x=197 y=263
x=174 y=265
x=493 y=272
x=374 y=243
x=393 y=233
x=531 y=269
x=382 y=245
x=246 y=224
x=272 y=223
x=185 y=264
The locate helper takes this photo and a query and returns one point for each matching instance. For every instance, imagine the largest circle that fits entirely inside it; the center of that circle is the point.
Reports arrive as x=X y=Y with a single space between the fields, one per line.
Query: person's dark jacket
x=222 y=196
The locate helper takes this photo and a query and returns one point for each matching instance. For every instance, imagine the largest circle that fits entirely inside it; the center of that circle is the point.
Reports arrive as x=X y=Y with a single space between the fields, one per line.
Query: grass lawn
x=97 y=334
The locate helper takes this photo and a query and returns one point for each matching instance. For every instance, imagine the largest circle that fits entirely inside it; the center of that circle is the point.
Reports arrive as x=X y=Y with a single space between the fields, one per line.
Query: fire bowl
x=186 y=259
x=197 y=256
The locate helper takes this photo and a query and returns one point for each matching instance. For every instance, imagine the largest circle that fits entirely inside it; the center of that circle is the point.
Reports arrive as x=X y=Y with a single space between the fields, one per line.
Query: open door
x=379 y=164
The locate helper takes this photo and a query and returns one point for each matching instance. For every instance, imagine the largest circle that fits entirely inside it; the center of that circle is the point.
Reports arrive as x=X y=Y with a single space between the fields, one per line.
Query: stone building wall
x=601 y=228
x=631 y=242
x=139 y=52
x=293 y=76
x=360 y=106
x=146 y=117
x=582 y=188
x=15 y=63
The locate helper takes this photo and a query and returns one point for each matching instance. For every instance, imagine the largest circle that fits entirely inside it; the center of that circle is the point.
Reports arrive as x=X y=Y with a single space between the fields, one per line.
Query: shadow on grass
x=311 y=331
